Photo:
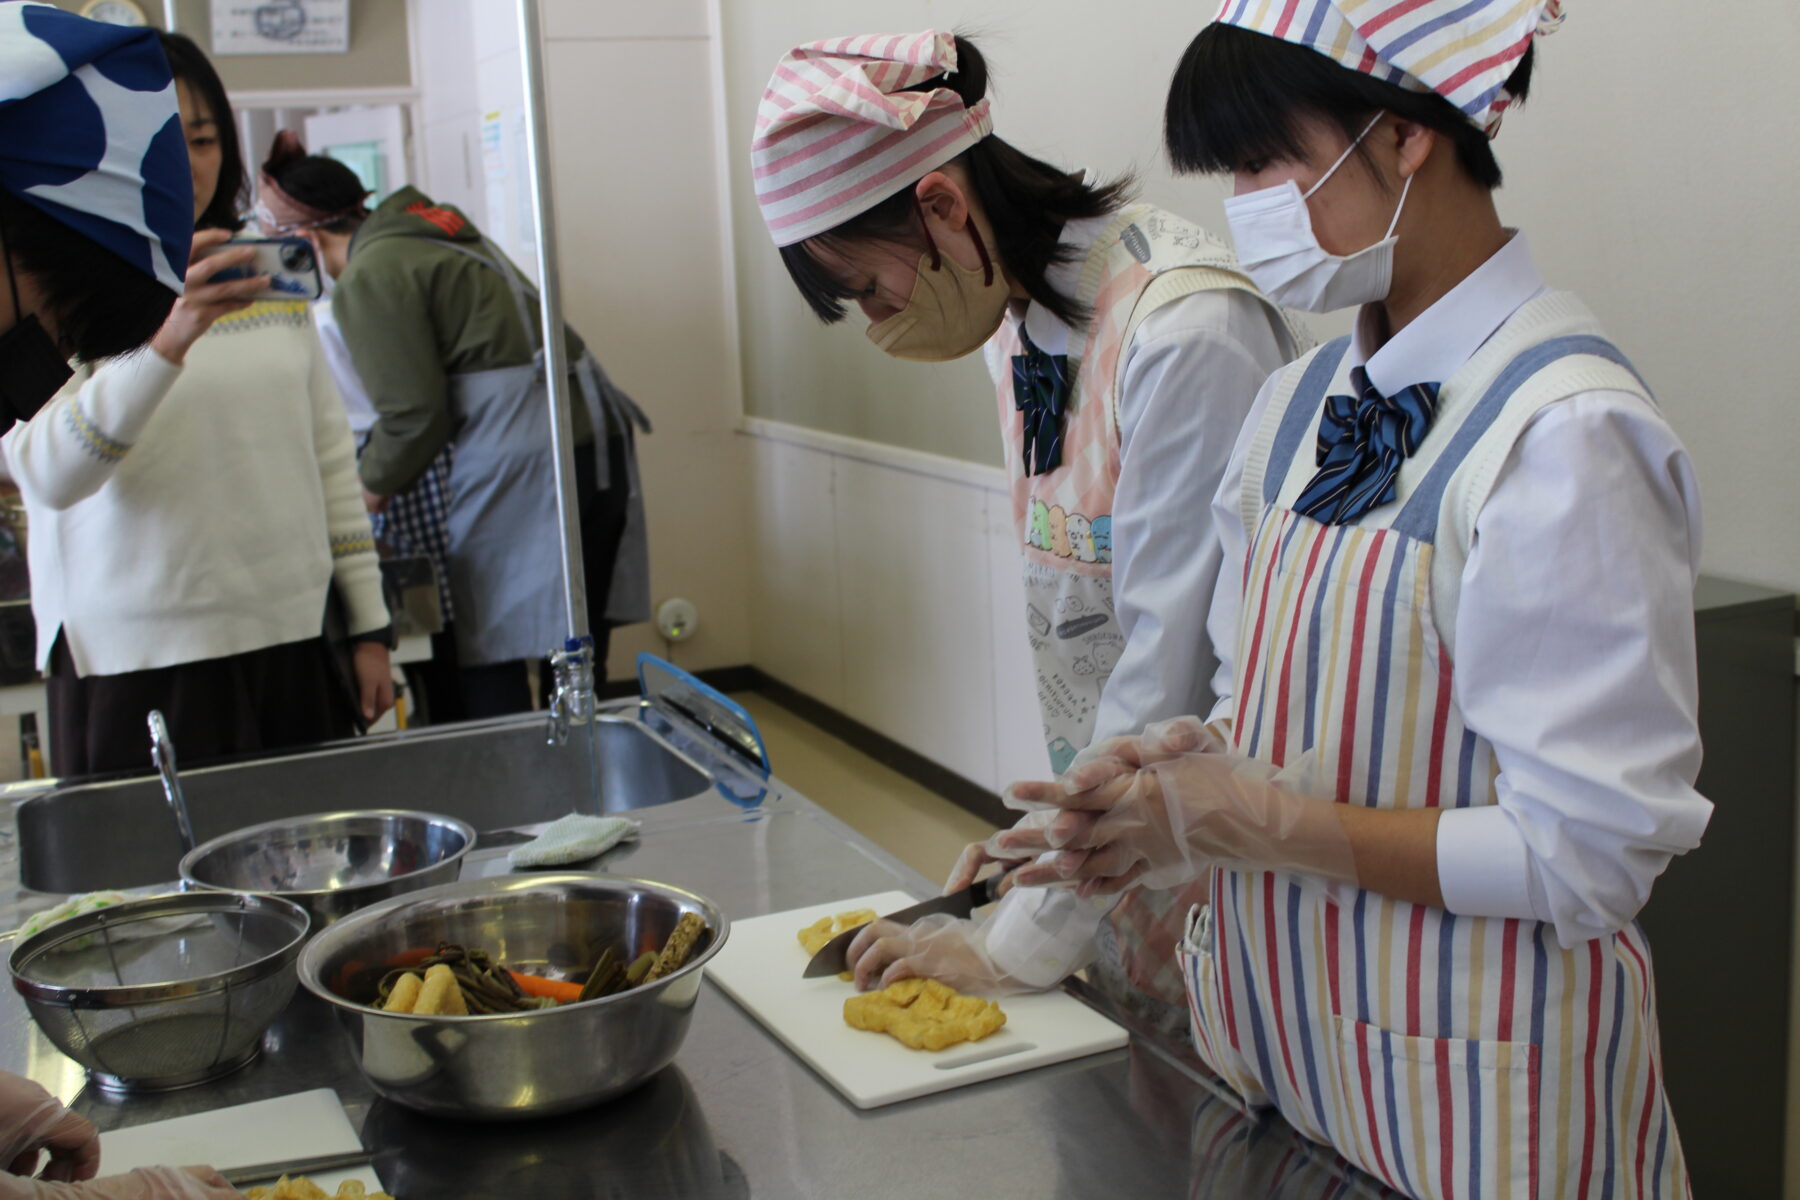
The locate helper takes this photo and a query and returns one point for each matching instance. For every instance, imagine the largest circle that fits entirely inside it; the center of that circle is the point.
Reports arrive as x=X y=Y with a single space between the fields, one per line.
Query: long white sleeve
x=1575 y=657
x=73 y=445
x=1190 y=376
x=355 y=568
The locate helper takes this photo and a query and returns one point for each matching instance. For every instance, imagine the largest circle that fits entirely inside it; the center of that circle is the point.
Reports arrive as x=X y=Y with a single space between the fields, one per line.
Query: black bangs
x=824 y=294
x=1233 y=101
x=1240 y=97
x=828 y=296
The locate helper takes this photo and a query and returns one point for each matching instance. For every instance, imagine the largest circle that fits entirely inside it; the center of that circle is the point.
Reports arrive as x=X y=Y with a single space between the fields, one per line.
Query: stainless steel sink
x=119 y=833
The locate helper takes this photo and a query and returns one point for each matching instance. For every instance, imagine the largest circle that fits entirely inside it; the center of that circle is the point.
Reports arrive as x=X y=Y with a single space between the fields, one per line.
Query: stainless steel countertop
x=737 y=1115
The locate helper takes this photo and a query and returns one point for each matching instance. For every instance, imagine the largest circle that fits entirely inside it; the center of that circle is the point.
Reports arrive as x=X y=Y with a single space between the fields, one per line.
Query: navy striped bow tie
x=1041 y=385
x=1363 y=439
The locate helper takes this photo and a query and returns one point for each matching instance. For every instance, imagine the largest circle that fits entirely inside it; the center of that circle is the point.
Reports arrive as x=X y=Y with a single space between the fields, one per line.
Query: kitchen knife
x=266 y=1172
x=830 y=960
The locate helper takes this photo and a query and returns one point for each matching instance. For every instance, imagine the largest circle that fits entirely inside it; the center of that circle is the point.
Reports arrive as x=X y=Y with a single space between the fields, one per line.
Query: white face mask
x=1278 y=249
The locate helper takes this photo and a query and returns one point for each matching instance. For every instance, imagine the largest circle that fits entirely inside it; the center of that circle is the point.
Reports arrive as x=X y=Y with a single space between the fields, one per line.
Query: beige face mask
x=952 y=309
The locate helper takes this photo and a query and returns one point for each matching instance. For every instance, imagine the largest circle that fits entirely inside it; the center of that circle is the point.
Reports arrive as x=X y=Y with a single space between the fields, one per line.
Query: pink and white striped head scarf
x=836 y=134
x=1464 y=50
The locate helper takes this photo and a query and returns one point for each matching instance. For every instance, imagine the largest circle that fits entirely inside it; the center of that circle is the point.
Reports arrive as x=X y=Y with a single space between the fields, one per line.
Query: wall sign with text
x=280 y=26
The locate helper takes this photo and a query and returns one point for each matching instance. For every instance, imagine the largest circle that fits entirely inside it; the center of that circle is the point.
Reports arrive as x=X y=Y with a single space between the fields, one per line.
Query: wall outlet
x=676 y=619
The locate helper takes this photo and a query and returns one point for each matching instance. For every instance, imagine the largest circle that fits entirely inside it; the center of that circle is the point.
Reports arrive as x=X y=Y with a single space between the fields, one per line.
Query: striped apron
x=1454 y=1057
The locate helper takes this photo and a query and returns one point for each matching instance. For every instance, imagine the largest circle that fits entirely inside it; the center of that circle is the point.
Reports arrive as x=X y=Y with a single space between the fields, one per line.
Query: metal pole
x=556 y=351
x=169 y=15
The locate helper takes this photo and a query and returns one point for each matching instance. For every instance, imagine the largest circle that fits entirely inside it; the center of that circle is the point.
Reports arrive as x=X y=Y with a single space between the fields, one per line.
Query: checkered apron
x=413 y=522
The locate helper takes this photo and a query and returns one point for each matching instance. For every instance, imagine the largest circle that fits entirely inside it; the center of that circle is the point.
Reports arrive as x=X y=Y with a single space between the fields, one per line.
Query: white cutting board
x=298 y=1126
x=760 y=967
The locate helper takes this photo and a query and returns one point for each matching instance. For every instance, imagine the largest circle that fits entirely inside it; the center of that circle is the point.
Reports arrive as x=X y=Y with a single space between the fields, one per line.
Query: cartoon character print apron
x=1143 y=259
x=1450 y=1057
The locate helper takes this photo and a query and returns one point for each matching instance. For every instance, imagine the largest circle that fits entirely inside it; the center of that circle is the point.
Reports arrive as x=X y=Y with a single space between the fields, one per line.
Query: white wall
x=447 y=142
x=887 y=586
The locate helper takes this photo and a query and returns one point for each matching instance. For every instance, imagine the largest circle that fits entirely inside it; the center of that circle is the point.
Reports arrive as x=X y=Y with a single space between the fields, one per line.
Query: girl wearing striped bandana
x=1125 y=345
x=1455 y=741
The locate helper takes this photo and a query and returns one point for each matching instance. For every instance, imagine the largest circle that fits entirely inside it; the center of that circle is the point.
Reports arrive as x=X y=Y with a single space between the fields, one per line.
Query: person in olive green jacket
x=444 y=333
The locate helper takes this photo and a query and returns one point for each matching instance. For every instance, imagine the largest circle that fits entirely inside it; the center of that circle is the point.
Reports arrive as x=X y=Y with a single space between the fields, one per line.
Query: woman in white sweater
x=190 y=509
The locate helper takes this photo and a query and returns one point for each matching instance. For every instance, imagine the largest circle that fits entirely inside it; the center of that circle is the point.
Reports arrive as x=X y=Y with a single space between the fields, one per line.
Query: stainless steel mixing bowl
x=166 y=991
x=332 y=864
x=532 y=1064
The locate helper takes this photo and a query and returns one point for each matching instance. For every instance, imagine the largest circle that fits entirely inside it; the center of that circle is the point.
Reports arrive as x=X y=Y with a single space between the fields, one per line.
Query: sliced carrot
x=560 y=990
x=411 y=958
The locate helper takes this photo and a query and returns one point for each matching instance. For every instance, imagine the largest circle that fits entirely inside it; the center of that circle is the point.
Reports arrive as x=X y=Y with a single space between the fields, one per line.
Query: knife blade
x=830 y=960
x=312 y=1165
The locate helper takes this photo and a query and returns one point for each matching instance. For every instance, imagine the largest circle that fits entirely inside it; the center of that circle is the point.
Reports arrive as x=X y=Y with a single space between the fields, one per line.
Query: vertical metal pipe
x=169 y=15
x=556 y=351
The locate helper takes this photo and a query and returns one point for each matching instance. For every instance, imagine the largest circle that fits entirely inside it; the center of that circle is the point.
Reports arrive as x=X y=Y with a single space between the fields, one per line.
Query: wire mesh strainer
x=163 y=992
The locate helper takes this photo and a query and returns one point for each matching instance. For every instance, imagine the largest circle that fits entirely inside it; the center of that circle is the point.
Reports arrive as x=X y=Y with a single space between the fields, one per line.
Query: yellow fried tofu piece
x=441 y=996
x=814 y=936
x=405 y=996
x=924 y=1014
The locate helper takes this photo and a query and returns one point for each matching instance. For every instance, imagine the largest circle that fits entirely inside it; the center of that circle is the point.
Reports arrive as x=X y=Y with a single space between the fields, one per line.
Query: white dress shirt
x=1186 y=383
x=1574 y=645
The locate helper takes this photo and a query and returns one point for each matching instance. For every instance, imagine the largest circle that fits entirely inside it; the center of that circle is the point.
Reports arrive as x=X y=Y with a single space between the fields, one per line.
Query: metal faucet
x=162 y=753
x=573 y=702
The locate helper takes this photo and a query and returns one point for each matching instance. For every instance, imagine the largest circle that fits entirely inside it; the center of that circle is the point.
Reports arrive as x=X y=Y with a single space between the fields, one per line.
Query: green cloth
x=414 y=312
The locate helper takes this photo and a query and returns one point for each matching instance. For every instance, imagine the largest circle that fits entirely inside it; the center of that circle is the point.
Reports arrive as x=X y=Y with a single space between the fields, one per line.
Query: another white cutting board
x=298 y=1126
x=760 y=967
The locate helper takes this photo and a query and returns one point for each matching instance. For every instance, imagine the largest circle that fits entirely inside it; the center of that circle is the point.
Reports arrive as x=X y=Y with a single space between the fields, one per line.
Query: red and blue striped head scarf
x=1464 y=50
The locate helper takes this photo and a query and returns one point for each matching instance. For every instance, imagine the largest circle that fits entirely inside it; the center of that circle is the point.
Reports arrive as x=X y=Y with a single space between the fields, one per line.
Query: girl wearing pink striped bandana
x=1454 y=743
x=1125 y=345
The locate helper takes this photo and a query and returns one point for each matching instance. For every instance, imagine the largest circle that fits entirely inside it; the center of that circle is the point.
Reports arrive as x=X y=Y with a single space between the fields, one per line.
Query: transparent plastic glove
x=33 y=1121
x=977 y=855
x=1169 y=820
x=1160 y=740
x=145 y=1183
x=941 y=947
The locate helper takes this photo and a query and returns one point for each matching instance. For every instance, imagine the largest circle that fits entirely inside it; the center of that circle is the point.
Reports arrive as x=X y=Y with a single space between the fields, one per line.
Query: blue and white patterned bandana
x=90 y=134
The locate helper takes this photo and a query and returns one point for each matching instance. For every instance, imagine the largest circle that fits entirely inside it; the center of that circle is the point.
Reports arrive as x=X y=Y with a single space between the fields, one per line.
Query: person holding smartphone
x=192 y=508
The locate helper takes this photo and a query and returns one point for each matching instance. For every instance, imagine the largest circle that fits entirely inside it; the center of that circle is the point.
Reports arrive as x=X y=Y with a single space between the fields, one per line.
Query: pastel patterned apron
x=1448 y=1056
x=1143 y=259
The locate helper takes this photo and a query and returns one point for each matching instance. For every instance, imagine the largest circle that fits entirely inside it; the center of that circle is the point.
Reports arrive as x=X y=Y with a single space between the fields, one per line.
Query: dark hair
x=101 y=304
x=313 y=179
x=1027 y=201
x=1238 y=96
x=232 y=194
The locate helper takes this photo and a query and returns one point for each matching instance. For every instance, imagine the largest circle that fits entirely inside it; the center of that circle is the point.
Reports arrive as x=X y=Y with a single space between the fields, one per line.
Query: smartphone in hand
x=289 y=262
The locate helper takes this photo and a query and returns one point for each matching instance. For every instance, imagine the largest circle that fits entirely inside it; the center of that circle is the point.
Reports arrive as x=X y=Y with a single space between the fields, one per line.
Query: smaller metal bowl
x=163 y=992
x=332 y=864
x=506 y=1066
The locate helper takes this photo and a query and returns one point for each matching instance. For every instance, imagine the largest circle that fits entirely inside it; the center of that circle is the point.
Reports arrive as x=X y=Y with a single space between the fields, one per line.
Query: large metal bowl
x=505 y=1066
x=166 y=991
x=332 y=864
